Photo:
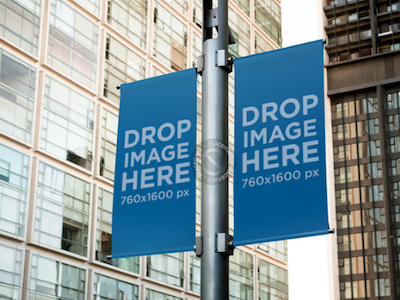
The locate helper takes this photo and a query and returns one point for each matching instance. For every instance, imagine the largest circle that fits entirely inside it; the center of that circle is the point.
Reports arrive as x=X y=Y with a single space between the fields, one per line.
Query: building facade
x=363 y=84
x=60 y=63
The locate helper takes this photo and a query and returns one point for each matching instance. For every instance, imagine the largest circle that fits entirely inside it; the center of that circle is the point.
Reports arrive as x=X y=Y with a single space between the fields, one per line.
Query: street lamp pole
x=214 y=245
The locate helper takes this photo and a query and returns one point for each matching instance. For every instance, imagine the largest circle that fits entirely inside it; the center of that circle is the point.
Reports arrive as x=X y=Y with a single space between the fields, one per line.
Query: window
x=91 y=5
x=374 y=216
x=241 y=32
x=11 y=266
x=349 y=219
x=393 y=122
x=368 y=194
x=104 y=238
x=195 y=273
x=156 y=72
x=261 y=45
x=394 y=144
x=73 y=43
x=122 y=65
x=241 y=276
x=198 y=13
x=244 y=5
x=20 y=22
x=170 y=39
x=273 y=281
x=167 y=268
x=276 y=249
x=154 y=295
x=113 y=289
x=180 y=5
x=67 y=129
x=17 y=95
x=109 y=127
x=52 y=279
x=268 y=17
x=130 y=18
x=392 y=100
x=62 y=210
x=14 y=172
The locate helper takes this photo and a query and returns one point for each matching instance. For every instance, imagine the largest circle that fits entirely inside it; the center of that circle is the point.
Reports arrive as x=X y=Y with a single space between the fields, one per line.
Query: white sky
x=308 y=266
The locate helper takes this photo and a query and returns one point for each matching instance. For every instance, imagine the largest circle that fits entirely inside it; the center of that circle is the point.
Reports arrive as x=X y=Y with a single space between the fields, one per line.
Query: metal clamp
x=200 y=64
x=224 y=243
x=331 y=230
x=224 y=59
x=198 y=248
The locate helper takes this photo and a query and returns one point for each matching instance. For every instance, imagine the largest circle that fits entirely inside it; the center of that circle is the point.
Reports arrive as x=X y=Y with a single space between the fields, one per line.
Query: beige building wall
x=60 y=61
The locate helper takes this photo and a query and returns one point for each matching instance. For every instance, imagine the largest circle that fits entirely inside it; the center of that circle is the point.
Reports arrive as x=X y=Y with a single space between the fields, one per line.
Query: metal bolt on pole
x=214 y=244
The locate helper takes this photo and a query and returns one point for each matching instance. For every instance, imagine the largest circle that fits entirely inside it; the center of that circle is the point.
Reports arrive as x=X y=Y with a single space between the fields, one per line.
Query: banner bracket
x=224 y=59
x=200 y=64
x=224 y=243
x=198 y=247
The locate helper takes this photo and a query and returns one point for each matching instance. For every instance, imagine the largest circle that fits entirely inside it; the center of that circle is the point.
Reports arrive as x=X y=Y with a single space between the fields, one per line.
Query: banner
x=154 y=192
x=280 y=188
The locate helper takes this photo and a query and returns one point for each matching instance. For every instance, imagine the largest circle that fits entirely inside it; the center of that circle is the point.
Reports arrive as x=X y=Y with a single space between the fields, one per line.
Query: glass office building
x=60 y=63
x=364 y=88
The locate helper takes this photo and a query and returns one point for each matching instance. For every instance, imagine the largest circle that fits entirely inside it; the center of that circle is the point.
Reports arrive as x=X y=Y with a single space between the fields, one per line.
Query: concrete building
x=60 y=61
x=363 y=84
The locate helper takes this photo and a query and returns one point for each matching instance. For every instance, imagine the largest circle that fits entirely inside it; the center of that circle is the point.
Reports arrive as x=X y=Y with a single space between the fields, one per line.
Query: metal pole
x=214 y=188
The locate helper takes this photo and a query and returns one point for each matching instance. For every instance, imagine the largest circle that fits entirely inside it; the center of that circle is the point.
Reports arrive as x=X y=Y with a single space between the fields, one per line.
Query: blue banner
x=280 y=189
x=155 y=185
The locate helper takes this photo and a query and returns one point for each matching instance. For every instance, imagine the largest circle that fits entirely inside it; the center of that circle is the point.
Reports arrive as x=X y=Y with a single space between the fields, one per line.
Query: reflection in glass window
x=73 y=43
x=67 y=129
x=55 y=280
x=195 y=273
x=241 y=32
x=170 y=39
x=180 y=5
x=10 y=273
x=122 y=65
x=244 y=5
x=198 y=13
x=17 y=95
x=276 y=249
x=62 y=210
x=14 y=169
x=154 y=295
x=91 y=5
x=272 y=281
x=113 y=289
x=156 y=72
x=167 y=268
x=20 y=22
x=109 y=127
x=268 y=17
x=261 y=45
x=241 y=276
x=103 y=235
x=130 y=18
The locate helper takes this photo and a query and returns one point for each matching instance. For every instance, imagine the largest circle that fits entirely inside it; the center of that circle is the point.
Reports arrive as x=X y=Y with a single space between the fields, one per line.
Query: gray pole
x=214 y=189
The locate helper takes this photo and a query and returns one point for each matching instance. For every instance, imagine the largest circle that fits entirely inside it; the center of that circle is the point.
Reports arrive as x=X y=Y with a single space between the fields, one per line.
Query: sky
x=308 y=266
